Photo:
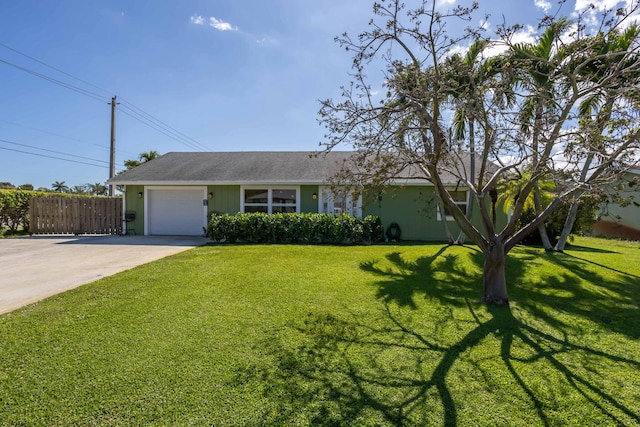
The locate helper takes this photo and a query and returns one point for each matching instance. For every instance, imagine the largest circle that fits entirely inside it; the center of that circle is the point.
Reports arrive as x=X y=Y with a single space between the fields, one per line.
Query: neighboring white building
x=618 y=221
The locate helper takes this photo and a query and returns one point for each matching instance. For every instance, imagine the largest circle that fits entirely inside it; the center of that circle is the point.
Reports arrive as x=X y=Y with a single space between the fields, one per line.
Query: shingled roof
x=246 y=167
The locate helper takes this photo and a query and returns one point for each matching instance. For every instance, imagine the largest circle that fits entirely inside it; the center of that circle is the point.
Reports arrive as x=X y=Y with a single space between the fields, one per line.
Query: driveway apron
x=33 y=268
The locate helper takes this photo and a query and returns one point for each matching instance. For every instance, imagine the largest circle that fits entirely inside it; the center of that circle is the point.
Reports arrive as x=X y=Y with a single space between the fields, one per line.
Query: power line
x=53 y=157
x=142 y=116
x=54 y=68
x=62 y=136
x=55 y=152
x=181 y=135
x=57 y=82
x=163 y=129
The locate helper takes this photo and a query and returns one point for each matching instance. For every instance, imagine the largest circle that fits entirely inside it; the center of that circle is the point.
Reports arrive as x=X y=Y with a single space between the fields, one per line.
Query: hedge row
x=14 y=208
x=295 y=228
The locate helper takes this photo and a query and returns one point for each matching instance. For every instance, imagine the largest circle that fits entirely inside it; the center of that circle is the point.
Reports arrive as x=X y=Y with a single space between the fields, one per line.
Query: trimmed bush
x=309 y=228
x=14 y=208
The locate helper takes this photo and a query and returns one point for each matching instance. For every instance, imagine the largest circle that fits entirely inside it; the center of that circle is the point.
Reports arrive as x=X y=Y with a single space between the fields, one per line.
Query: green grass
x=365 y=336
x=6 y=233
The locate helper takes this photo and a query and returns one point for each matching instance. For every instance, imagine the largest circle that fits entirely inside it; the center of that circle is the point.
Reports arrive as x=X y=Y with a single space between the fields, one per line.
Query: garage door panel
x=178 y=212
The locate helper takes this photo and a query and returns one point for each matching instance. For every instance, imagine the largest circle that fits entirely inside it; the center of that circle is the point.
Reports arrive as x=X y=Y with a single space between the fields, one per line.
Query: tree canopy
x=144 y=157
x=524 y=110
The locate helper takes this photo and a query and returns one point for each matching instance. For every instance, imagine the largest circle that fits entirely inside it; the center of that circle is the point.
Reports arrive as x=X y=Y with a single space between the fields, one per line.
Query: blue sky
x=223 y=75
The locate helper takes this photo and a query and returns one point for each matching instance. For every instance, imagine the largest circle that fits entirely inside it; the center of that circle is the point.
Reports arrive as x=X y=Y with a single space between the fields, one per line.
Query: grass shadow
x=575 y=290
x=441 y=275
x=396 y=371
x=343 y=375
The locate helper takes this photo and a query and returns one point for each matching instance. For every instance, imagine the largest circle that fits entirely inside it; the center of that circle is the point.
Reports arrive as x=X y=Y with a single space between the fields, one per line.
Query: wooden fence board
x=75 y=215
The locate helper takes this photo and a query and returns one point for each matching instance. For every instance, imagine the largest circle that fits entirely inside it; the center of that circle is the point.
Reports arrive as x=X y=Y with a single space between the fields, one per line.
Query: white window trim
x=450 y=218
x=269 y=189
x=352 y=209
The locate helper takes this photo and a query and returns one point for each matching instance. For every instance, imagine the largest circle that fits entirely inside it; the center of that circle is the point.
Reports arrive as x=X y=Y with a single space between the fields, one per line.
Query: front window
x=336 y=203
x=461 y=200
x=270 y=200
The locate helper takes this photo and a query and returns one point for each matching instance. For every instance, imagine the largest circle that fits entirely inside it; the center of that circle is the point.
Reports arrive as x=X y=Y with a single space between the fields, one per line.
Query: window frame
x=461 y=204
x=270 y=204
x=353 y=205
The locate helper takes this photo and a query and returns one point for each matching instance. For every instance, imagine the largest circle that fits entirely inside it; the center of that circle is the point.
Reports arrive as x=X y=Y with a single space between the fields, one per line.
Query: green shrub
x=587 y=207
x=309 y=228
x=14 y=208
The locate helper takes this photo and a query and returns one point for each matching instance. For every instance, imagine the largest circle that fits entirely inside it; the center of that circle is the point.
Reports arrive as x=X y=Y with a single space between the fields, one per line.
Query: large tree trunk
x=494 y=276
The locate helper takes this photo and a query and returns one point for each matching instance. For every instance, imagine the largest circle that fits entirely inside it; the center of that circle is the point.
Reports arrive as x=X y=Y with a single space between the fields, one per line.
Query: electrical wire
x=54 y=68
x=55 y=152
x=57 y=82
x=105 y=147
x=53 y=157
x=143 y=116
x=162 y=128
x=181 y=135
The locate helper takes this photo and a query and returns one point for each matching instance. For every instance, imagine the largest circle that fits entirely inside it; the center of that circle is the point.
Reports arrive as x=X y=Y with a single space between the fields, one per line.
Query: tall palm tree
x=467 y=78
x=538 y=66
x=596 y=110
x=60 y=187
x=147 y=156
x=98 y=189
x=144 y=157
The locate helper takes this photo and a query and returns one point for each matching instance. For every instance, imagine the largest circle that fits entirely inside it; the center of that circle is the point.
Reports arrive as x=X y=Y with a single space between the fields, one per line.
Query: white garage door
x=176 y=212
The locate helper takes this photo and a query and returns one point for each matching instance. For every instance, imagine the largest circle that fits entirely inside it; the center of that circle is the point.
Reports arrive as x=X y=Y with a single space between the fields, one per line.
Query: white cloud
x=591 y=11
x=600 y=5
x=213 y=22
x=527 y=35
x=267 y=41
x=545 y=5
x=221 y=25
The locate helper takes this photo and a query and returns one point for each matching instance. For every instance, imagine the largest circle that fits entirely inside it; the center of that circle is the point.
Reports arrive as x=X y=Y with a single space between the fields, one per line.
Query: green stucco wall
x=226 y=199
x=307 y=203
x=133 y=203
x=415 y=210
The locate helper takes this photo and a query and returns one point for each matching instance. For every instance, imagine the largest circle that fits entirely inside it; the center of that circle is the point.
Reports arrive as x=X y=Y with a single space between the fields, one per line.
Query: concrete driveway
x=33 y=268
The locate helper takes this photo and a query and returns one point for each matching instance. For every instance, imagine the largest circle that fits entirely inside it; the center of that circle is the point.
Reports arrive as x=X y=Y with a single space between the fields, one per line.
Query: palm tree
x=538 y=66
x=60 y=187
x=144 y=157
x=467 y=77
x=596 y=109
x=147 y=156
x=98 y=189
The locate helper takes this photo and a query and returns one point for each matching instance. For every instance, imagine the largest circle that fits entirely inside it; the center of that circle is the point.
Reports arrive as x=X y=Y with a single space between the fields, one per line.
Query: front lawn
x=272 y=335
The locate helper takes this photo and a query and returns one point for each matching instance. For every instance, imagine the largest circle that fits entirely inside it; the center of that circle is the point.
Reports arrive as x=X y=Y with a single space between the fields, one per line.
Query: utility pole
x=112 y=157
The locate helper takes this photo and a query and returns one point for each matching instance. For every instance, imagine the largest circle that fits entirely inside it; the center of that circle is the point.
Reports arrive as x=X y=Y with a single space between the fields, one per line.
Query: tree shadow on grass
x=389 y=369
x=579 y=291
x=440 y=275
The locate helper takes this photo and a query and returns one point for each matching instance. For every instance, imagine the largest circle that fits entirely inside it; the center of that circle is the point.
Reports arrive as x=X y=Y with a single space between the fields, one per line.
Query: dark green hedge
x=14 y=208
x=306 y=228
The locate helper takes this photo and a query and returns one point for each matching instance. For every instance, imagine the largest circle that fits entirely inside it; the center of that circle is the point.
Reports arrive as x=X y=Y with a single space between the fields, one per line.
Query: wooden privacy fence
x=75 y=215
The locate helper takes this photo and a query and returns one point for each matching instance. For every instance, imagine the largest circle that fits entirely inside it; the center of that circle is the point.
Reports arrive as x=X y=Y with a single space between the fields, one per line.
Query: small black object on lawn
x=394 y=232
